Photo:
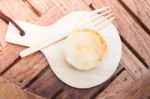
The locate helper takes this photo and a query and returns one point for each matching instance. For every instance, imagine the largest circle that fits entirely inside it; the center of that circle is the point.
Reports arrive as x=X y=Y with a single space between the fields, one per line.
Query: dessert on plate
x=84 y=49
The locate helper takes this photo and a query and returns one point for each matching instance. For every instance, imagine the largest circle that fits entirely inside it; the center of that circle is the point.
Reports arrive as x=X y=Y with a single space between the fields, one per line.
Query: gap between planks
x=145 y=28
x=140 y=16
x=12 y=64
x=37 y=12
x=36 y=77
x=124 y=86
x=134 y=52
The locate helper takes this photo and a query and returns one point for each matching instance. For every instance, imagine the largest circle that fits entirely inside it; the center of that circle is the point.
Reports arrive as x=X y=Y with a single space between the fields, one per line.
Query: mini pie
x=84 y=49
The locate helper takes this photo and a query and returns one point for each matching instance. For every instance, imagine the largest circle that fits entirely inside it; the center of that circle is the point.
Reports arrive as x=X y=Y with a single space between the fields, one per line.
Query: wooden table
x=10 y=91
x=33 y=73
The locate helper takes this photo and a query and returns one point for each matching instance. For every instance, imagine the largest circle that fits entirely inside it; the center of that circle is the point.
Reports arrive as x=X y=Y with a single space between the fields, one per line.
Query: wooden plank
x=140 y=9
x=124 y=87
x=8 y=55
x=133 y=34
x=51 y=15
x=117 y=86
x=17 y=9
x=40 y=6
x=88 y=2
x=26 y=69
x=67 y=6
x=47 y=85
x=146 y=94
x=59 y=8
x=10 y=91
x=3 y=29
x=135 y=68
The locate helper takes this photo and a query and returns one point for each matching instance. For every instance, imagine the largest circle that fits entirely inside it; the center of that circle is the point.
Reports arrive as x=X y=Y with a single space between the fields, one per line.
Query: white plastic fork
x=95 y=17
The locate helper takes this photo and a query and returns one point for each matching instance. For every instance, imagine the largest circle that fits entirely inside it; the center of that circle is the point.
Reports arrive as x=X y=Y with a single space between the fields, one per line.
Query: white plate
x=65 y=72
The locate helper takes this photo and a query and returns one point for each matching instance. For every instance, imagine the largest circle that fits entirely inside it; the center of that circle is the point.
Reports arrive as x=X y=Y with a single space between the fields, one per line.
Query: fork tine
x=86 y=19
x=101 y=19
x=102 y=14
x=108 y=16
x=98 y=10
x=100 y=26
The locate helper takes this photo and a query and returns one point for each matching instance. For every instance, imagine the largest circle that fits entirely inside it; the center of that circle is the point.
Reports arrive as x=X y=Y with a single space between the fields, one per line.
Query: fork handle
x=42 y=45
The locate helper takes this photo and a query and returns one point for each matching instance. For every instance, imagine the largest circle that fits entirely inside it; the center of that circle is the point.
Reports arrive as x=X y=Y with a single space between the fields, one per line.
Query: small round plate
x=95 y=76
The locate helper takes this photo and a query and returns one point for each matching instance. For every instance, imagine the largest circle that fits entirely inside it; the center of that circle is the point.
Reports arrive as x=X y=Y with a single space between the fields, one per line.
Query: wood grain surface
x=47 y=85
x=24 y=70
x=3 y=29
x=124 y=86
x=34 y=74
x=140 y=9
x=10 y=91
x=88 y=2
x=38 y=6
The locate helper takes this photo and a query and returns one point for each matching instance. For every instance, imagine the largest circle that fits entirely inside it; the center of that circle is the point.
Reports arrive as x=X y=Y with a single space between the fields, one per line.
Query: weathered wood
x=146 y=94
x=135 y=68
x=8 y=55
x=88 y=2
x=124 y=86
x=3 y=29
x=59 y=8
x=47 y=85
x=17 y=9
x=133 y=34
x=40 y=6
x=140 y=9
x=51 y=15
x=26 y=69
x=67 y=6
x=116 y=87
x=10 y=91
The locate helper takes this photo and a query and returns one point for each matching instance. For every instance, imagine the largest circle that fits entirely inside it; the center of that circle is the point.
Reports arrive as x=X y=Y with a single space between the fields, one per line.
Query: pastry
x=84 y=49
